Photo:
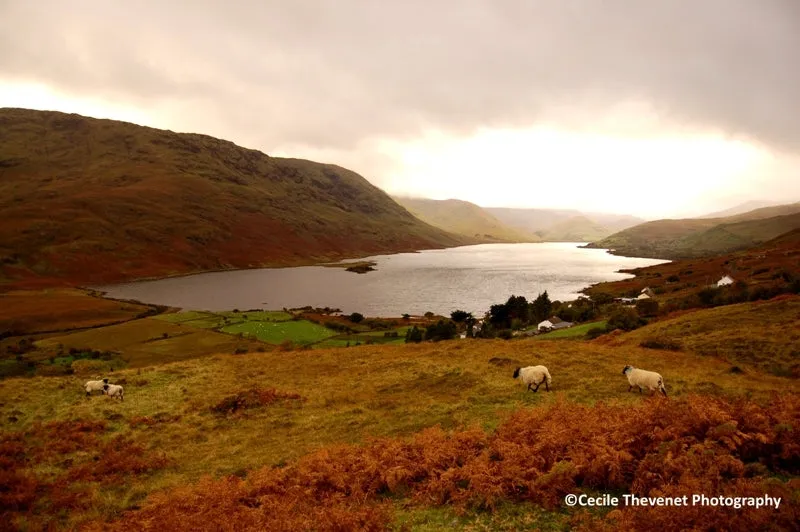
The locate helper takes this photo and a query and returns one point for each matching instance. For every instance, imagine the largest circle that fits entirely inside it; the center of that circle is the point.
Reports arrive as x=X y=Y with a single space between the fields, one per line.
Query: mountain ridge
x=701 y=237
x=95 y=200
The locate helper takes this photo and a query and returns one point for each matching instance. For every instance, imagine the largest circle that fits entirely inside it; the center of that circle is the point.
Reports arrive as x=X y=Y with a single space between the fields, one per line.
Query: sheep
x=94 y=386
x=644 y=379
x=114 y=390
x=534 y=375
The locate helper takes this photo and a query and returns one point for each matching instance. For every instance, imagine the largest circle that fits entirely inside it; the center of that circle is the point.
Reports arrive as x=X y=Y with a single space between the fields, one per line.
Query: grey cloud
x=330 y=74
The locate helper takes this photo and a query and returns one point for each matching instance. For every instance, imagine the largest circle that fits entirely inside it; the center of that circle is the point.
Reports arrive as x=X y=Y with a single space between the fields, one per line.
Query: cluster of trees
x=441 y=330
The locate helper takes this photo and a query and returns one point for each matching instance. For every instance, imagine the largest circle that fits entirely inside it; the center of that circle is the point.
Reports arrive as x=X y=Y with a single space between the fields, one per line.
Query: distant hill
x=702 y=237
x=574 y=229
x=742 y=208
x=563 y=224
x=90 y=201
x=464 y=218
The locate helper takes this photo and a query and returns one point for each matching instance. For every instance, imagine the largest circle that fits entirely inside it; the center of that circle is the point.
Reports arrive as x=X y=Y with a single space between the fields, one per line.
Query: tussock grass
x=350 y=396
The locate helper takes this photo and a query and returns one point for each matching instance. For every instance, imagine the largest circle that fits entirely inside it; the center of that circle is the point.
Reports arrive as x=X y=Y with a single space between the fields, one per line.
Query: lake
x=470 y=278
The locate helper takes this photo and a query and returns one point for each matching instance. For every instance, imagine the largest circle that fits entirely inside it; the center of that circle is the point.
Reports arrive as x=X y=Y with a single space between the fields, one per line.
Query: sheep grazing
x=94 y=386
x=534 y=376
x=114 y=390
x=644 y=379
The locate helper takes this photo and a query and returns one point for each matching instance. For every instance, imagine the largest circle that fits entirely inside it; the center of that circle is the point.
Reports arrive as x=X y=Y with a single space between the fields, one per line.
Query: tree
x=441 y=330
x=541 y=307
x=647 y=307
x=460 y=316
x=413 y=335
x=626 y=319
x=356 y=317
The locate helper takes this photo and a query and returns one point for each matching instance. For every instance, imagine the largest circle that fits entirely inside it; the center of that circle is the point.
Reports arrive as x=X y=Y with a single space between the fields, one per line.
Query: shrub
x=441 y=330
x=594 y=332
x=356 y=317
x=661 y=342
x=647 y=307
x=626 y=319
x=253 y=398
x=413 y=335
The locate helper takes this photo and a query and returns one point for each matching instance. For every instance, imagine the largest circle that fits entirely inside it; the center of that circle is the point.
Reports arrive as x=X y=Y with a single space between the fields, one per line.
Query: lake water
x=470 y=278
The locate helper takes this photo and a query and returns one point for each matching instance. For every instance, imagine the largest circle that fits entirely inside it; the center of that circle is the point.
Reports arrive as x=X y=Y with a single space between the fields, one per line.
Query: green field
x=300 y=332
x=215 y=320
x=576 y=332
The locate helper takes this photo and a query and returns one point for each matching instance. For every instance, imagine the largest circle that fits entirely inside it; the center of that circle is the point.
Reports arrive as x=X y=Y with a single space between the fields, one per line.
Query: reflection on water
x=470 y=278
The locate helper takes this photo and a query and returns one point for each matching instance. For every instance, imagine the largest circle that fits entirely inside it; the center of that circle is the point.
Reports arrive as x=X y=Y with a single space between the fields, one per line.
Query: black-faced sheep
x=644 y=379
x=114 y=390
x=534 y=376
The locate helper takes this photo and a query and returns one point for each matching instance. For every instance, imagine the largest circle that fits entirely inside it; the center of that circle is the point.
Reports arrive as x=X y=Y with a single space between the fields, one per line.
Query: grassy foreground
x=68 y=460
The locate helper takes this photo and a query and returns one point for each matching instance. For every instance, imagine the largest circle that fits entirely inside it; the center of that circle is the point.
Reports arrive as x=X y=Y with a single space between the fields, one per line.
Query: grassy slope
x=398 y=391
x=464 y=218
x=143 y=342
x=576 y=332
x=29 y=311
x=673 y=239
x=762 y=335
x=762 y=265
x=86 y=200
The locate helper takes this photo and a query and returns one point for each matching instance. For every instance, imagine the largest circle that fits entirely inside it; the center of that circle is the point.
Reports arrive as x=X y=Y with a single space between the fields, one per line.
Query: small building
x=725 y=281
x=553 y=323
x=642 y=296
x=647 y=290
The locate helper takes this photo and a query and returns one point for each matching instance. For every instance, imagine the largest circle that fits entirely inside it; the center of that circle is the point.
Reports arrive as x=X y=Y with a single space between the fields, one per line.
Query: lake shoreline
x=471 y=278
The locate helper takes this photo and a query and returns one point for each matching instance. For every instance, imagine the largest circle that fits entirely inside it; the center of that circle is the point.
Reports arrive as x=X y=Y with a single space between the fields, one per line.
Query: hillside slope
x=575 y=229
x=761 y=334
x=768 y=267
x=464 y=218
x=703 y=237
x=87 y=200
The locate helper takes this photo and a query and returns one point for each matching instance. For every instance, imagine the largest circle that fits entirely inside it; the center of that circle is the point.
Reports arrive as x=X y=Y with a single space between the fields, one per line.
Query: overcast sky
x=655 y=108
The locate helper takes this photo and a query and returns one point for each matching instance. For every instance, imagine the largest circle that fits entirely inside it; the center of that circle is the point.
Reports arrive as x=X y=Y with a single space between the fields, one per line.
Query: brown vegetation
x=88 y=200
x=672 y=448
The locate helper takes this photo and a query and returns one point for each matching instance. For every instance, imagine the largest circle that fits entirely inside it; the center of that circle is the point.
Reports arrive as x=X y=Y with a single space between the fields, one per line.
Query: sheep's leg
x=640 y=389
x=529 y=386
x=537 y=388
x=546 y=386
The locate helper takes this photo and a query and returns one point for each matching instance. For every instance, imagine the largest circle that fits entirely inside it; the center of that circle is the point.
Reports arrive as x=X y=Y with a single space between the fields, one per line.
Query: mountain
x=742 y=208
x=463 y=218
x=702 y=237
x=91 y=201
x=563 y=224
x=574 y=229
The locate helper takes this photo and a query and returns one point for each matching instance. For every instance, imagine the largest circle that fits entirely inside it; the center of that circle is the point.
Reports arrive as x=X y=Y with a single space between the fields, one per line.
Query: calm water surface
x=471 y=278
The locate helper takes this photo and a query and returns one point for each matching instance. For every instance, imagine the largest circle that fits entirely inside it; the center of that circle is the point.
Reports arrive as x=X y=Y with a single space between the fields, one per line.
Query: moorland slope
x=87 y=200
x=702 y=237
x=464 y=218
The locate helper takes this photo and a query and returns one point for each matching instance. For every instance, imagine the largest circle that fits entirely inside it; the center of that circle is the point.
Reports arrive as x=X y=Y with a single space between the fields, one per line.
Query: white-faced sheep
x=534 y=376
x=644 y=379
x=114 y=390
x=95 y=386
